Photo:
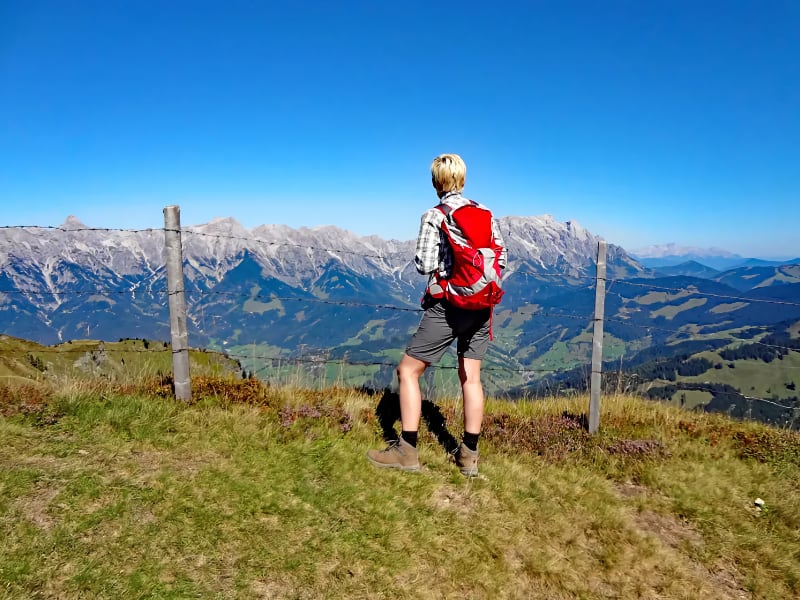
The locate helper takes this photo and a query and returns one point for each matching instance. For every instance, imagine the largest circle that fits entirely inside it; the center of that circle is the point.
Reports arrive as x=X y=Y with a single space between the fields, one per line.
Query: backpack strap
x=447 y=210
x=436 y=289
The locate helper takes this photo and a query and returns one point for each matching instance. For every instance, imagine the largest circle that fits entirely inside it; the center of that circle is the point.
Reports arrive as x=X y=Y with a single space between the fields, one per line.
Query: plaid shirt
x=433 y=251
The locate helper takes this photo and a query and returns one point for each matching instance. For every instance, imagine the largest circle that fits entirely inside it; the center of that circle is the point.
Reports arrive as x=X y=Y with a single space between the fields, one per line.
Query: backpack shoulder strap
x=447 y=210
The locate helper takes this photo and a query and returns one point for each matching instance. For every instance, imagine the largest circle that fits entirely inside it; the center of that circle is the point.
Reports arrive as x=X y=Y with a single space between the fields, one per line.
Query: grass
x=251 y=491
x=691 y=398
x=125 y=360
x=670 y=311
x=754 y=377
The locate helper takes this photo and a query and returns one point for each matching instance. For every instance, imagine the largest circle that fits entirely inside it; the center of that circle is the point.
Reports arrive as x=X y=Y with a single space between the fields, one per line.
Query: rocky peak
x=295 y=256
x=72 y=223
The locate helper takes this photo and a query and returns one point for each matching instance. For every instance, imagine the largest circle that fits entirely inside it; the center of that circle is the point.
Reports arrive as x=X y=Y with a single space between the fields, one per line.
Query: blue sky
x=646 y=122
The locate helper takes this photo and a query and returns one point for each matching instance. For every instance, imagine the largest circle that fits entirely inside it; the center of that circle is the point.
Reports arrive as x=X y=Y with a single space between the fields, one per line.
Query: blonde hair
x=448 y=173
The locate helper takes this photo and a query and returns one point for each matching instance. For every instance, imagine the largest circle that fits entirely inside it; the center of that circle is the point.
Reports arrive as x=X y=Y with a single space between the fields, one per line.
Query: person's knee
x=402 y=372
x=410 y=370
x=468 y=379
x=469 y=372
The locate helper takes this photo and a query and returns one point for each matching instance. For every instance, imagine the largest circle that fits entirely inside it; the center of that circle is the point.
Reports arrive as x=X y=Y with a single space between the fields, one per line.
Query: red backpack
x=475 y=280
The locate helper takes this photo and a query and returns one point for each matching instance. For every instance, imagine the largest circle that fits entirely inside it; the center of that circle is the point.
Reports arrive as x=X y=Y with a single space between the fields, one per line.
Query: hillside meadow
x=116 y=490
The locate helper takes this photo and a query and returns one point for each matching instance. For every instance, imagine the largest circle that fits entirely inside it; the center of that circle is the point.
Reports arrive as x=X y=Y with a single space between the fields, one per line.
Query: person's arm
x=426 y=255
x=503 y=259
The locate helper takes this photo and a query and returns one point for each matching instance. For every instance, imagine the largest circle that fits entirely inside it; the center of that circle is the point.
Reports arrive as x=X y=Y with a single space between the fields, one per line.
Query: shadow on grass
x=388 y=413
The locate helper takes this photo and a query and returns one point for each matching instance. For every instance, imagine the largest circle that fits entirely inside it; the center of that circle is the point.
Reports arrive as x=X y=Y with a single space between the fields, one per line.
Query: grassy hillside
x=765 y=373
x=117 y=491
x=751 y=372
x=131 y=359
x=777 y=379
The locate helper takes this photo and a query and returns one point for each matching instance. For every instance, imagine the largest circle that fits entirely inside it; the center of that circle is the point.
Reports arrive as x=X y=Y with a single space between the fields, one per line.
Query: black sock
x=471 y=440
x=410 y=437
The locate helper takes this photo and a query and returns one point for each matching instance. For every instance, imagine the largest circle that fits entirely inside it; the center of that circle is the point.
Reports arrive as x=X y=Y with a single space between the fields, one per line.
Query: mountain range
x=275 y=293
x=74 y=281
x=671 y=255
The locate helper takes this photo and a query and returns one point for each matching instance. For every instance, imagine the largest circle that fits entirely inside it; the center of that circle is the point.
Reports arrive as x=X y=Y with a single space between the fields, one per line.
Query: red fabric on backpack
x=475 y=280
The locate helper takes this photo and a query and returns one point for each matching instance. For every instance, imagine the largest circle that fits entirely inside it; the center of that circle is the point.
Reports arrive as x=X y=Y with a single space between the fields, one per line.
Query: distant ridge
x=670 y=255
x=674 y=250
x=692 y=268
x=718 y=263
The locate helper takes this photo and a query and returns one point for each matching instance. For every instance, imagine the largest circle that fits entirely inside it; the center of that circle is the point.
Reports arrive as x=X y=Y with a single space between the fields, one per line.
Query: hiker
x=442 y=321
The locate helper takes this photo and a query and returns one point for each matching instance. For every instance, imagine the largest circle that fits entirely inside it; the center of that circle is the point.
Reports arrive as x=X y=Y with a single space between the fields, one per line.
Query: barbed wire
x=108 y=350
x=83 y=292
x=83 y=229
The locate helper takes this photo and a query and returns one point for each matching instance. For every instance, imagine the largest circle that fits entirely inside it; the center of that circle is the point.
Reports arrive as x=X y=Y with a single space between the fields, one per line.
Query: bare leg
x=408 y=373
x=469 y=372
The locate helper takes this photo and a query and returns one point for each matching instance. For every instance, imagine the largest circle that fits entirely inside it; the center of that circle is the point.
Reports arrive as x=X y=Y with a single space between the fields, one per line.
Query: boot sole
x=394 y=466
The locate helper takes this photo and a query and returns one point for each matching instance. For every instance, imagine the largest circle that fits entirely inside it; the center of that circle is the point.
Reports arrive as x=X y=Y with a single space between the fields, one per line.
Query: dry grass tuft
x=549 y=436
x=556 y=437
x=652 y=448
x=226 y=390
x=24 y=398
x=774 y=446
x=289 y=415
x=765 y=445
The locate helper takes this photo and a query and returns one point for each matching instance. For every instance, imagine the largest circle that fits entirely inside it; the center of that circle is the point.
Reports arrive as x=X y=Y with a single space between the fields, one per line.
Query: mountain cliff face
x=73 y=281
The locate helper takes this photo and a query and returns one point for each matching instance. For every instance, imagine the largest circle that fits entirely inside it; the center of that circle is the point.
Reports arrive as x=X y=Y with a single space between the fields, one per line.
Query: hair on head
x=448 y=173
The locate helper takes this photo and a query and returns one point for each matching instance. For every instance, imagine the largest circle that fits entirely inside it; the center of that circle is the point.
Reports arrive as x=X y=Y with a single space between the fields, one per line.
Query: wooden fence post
x=597 y=338
x=177 y=303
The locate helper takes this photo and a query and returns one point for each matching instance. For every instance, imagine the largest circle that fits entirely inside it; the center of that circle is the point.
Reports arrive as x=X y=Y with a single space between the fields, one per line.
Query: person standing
x=441 y=324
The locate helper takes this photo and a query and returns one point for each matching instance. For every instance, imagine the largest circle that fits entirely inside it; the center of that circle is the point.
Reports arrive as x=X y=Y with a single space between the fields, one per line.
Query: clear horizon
x=647 y=124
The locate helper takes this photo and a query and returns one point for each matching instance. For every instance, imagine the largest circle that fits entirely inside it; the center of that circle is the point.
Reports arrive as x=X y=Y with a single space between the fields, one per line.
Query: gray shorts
x=443 y=323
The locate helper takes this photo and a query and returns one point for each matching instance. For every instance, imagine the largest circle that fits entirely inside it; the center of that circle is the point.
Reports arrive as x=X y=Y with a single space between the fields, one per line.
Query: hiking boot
x=399 y=455
x=466 y=461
